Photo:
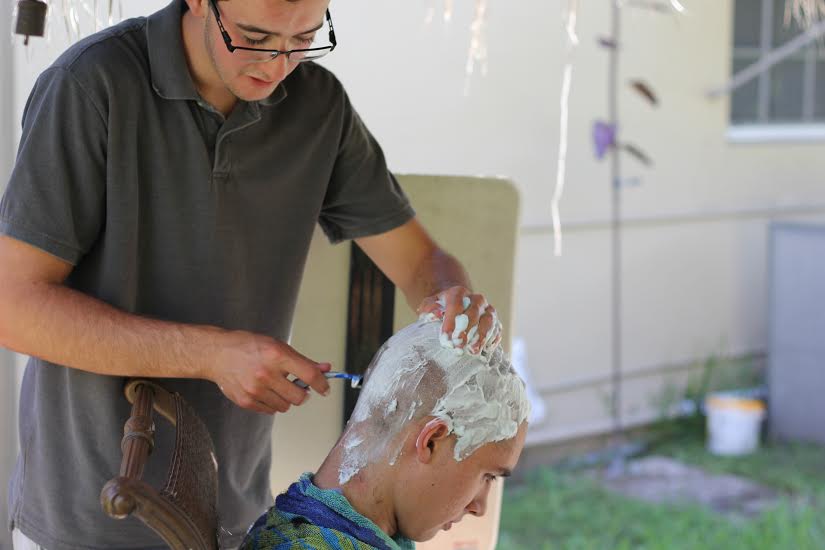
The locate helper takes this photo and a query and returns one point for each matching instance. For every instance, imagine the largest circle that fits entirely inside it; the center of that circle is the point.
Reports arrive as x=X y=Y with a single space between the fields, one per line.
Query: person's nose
x=278 y=69
x=478 y=506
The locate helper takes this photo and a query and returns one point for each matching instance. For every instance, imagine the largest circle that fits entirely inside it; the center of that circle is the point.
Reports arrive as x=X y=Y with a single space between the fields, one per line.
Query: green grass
x=567 y=510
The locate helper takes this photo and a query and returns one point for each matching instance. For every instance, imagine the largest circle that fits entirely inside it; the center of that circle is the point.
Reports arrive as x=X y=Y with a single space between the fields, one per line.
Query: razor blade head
x=355 y=380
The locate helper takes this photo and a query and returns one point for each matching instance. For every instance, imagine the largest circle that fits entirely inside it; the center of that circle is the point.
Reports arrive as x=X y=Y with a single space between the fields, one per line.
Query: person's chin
x=429 y=534
x=443 y=527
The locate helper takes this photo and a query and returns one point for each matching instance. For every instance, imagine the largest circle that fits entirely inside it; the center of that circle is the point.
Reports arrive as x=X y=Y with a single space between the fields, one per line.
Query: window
x=792 y=92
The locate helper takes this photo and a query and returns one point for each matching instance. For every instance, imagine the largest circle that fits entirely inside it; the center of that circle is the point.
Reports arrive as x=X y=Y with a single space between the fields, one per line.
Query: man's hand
x=252 y=371
x=467 y=319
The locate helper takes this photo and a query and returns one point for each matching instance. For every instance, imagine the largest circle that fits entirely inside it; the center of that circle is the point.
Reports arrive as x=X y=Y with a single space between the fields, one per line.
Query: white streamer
x=805 y=12
x=477 y=52
x=567 y=79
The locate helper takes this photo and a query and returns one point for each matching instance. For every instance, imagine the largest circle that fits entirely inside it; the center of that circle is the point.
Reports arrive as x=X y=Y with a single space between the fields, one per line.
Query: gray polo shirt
x=169 y=211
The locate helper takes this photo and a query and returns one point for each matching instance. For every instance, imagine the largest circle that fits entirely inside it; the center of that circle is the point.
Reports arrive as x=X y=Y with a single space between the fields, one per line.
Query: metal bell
x=31 y=18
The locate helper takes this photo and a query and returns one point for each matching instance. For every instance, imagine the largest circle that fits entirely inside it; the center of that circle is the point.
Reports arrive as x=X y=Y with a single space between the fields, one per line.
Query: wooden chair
x=184 y=511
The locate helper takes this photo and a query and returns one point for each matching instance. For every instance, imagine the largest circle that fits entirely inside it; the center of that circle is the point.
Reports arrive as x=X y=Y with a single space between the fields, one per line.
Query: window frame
x=762 y=128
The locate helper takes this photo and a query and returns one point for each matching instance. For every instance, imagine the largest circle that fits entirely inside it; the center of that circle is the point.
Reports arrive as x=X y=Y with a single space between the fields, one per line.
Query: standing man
x=169 y=177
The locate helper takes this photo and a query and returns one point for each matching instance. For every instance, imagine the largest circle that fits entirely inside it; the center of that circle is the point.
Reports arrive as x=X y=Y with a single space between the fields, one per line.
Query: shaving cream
x=417 y=373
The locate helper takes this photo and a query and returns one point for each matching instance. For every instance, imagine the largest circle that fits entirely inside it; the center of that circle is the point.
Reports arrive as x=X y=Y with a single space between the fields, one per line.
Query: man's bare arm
x=42 y=317
x=432 y=280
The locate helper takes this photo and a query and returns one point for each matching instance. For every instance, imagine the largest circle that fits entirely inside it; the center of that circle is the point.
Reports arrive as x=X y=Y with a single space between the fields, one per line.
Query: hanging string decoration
x=805 y=13
x=477 y=53
x=572 y=40
x=79 y=18
x=477 y=50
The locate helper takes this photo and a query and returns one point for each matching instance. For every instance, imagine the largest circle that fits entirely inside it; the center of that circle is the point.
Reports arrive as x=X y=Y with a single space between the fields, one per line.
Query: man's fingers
x=484 y=326
x=467 y=319
x=429 y=308
x=277 y=402
x=289 y=391
x=431 y=312
x=250 y=403
x=271 y=401
x=310 y=372
x=267 y=379
x=488 y=329
x=428 y=305
x=466 y=329
x=478 y=304
x=453 y=300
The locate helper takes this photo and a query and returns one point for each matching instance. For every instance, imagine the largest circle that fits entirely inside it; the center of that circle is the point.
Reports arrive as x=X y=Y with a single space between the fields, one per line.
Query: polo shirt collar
x=167 y=61
x=170 y=72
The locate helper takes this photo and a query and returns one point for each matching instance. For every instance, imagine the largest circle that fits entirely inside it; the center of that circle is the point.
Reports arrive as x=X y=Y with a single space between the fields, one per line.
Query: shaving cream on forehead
x=479 y=397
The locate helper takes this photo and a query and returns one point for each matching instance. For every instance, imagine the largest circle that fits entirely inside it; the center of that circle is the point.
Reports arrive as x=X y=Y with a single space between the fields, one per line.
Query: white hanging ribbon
x=567 y=79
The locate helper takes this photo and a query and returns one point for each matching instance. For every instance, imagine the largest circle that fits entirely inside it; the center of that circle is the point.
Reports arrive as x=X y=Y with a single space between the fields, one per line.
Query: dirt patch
x=660 y=479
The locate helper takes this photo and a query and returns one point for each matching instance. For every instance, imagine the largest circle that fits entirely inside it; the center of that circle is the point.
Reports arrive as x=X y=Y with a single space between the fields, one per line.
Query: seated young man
x=433 y=428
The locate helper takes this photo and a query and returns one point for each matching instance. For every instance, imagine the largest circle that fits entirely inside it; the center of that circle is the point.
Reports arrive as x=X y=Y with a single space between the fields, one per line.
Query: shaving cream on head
x=462 y=323
x=417 y=374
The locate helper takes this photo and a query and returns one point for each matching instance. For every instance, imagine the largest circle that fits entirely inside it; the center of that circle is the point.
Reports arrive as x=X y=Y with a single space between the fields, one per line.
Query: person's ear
x=199 y=8
x=432 y=436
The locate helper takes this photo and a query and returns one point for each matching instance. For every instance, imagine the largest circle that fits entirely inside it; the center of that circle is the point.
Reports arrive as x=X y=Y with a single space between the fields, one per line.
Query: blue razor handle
x=356 y=380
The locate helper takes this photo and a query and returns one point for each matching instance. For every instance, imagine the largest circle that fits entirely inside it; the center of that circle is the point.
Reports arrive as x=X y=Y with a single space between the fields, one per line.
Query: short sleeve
x=55 y=196
x=363 y=197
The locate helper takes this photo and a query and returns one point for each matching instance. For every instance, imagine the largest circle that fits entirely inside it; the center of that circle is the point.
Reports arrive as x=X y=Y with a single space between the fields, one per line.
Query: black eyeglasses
x=260 y=55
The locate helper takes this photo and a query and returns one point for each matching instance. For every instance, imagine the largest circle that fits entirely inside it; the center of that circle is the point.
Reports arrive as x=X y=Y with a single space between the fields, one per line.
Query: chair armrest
x=138 y=434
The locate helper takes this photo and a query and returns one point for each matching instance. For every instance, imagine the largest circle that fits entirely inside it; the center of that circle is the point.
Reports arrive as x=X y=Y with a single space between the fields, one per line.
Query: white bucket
x=733 y=424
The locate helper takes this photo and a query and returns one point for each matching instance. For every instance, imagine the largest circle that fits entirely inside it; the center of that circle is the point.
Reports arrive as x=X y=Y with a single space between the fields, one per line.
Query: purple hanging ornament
x=604 y=137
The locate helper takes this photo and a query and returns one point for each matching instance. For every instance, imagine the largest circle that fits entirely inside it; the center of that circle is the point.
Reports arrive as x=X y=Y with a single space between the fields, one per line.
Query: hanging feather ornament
x=447 y=14
x=644 y=89
x=804 y=12
x=477 y=52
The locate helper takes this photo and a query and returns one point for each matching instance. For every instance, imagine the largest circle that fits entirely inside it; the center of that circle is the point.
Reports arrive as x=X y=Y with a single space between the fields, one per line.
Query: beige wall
x=695 y=242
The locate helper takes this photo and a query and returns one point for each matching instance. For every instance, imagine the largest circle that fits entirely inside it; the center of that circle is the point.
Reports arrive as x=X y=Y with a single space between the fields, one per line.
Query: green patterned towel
x=306 y=517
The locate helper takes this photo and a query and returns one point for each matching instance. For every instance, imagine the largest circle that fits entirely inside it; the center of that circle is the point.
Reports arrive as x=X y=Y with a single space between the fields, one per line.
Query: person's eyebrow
x=258 y=30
